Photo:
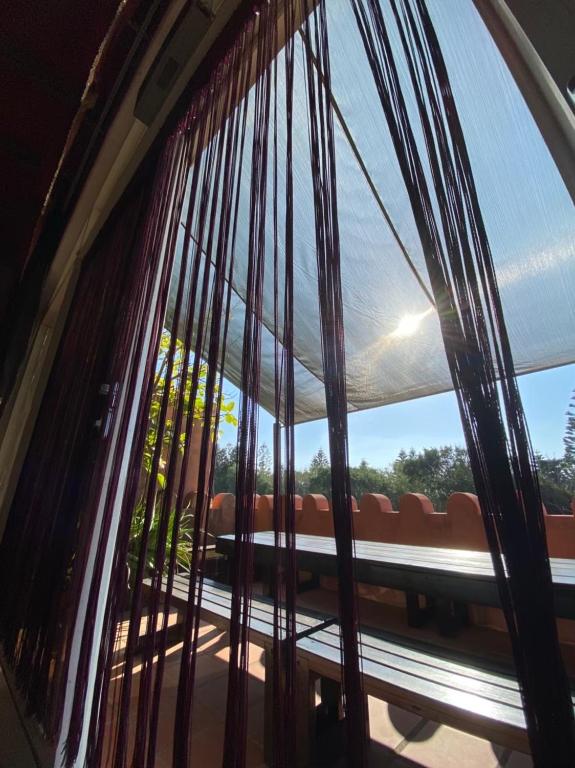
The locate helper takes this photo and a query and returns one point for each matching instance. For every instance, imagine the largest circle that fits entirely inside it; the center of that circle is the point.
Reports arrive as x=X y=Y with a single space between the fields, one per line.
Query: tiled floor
x=398 y=739
x=15 y=750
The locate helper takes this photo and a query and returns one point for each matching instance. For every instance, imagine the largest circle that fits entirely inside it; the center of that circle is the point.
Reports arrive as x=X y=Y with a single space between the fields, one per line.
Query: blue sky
x=378 y=435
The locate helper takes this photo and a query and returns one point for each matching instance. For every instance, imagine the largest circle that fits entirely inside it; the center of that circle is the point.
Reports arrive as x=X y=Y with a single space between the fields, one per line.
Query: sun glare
x=409 y=325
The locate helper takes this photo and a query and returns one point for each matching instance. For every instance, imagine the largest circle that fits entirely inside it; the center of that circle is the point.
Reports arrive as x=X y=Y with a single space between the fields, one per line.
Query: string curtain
x=46 y=542
x=243 y=203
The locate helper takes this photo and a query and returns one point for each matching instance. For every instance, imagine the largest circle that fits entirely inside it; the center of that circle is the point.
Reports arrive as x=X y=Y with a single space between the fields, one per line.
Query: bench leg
x=225 y=569
x=331 y=699
x=305 y=713
x=451 y=616
x=416 y=615
x=268 y=708
x=266 y=576
x=304 y=585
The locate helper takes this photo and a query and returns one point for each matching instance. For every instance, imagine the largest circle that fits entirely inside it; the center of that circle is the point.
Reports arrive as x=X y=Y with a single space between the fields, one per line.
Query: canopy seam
x=367 y=176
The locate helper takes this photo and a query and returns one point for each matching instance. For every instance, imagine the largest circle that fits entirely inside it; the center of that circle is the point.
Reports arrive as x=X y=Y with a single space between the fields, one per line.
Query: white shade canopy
x=394 y=349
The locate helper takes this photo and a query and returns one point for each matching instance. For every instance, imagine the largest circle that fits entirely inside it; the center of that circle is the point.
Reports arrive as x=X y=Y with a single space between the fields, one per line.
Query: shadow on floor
x=331 y=746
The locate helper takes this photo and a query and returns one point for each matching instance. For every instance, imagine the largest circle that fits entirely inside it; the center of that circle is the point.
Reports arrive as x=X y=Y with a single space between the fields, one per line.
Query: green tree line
x=435 y=472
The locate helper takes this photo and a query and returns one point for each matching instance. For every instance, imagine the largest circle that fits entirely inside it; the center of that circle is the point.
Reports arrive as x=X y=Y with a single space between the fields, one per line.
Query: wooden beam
x=549 y=106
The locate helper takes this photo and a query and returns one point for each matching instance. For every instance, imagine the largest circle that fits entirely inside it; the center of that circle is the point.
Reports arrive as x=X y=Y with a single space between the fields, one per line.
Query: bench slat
x=385 y=662
x=469 y=711
x=423 y=653
x=485 y=703
x=432 y=559
x=216 y=600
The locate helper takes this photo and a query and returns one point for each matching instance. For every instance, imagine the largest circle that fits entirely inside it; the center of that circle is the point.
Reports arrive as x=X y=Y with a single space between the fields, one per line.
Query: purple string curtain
x=217 y=127
x=284 y=574
x=462 y=274
x=45 y=543
x=242 y=566
x=323 y=169
x=217 y=170
x=205 y=198
x=133 y=363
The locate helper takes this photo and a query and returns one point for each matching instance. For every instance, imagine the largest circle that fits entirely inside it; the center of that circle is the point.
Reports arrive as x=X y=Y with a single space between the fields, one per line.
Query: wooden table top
x=463 y=575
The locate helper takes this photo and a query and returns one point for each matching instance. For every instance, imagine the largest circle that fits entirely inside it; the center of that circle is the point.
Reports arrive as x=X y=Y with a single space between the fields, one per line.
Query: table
x=454 y=575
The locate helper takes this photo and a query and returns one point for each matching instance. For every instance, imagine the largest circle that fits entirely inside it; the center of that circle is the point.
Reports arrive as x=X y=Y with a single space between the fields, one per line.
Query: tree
x=318 y=478
x=226 y=468
x=367 y=479
x=436 y=472
x=175 y=385
x=264 y=459
x=154 y=441
x=318 y=461
x=557 y=483
x=569 y=436
x=264 y=479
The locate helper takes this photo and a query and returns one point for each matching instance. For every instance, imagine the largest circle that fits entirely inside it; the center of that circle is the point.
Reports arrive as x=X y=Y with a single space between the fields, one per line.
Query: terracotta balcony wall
x=420 y=524
x=264 y=512
x=376 y=519
x=560 y=531
x=465 y=524
x=316 y=516
x=416 y=523
x=222 y=514
x=467 y=530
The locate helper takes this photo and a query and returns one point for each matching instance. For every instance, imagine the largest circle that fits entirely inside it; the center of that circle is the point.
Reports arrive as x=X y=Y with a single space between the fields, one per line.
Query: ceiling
x=46 y=52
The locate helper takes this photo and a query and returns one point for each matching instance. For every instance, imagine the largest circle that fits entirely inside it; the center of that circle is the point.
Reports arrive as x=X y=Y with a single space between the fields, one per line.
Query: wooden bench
x=470 y=694
x=216 y=609
x=467 y=693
